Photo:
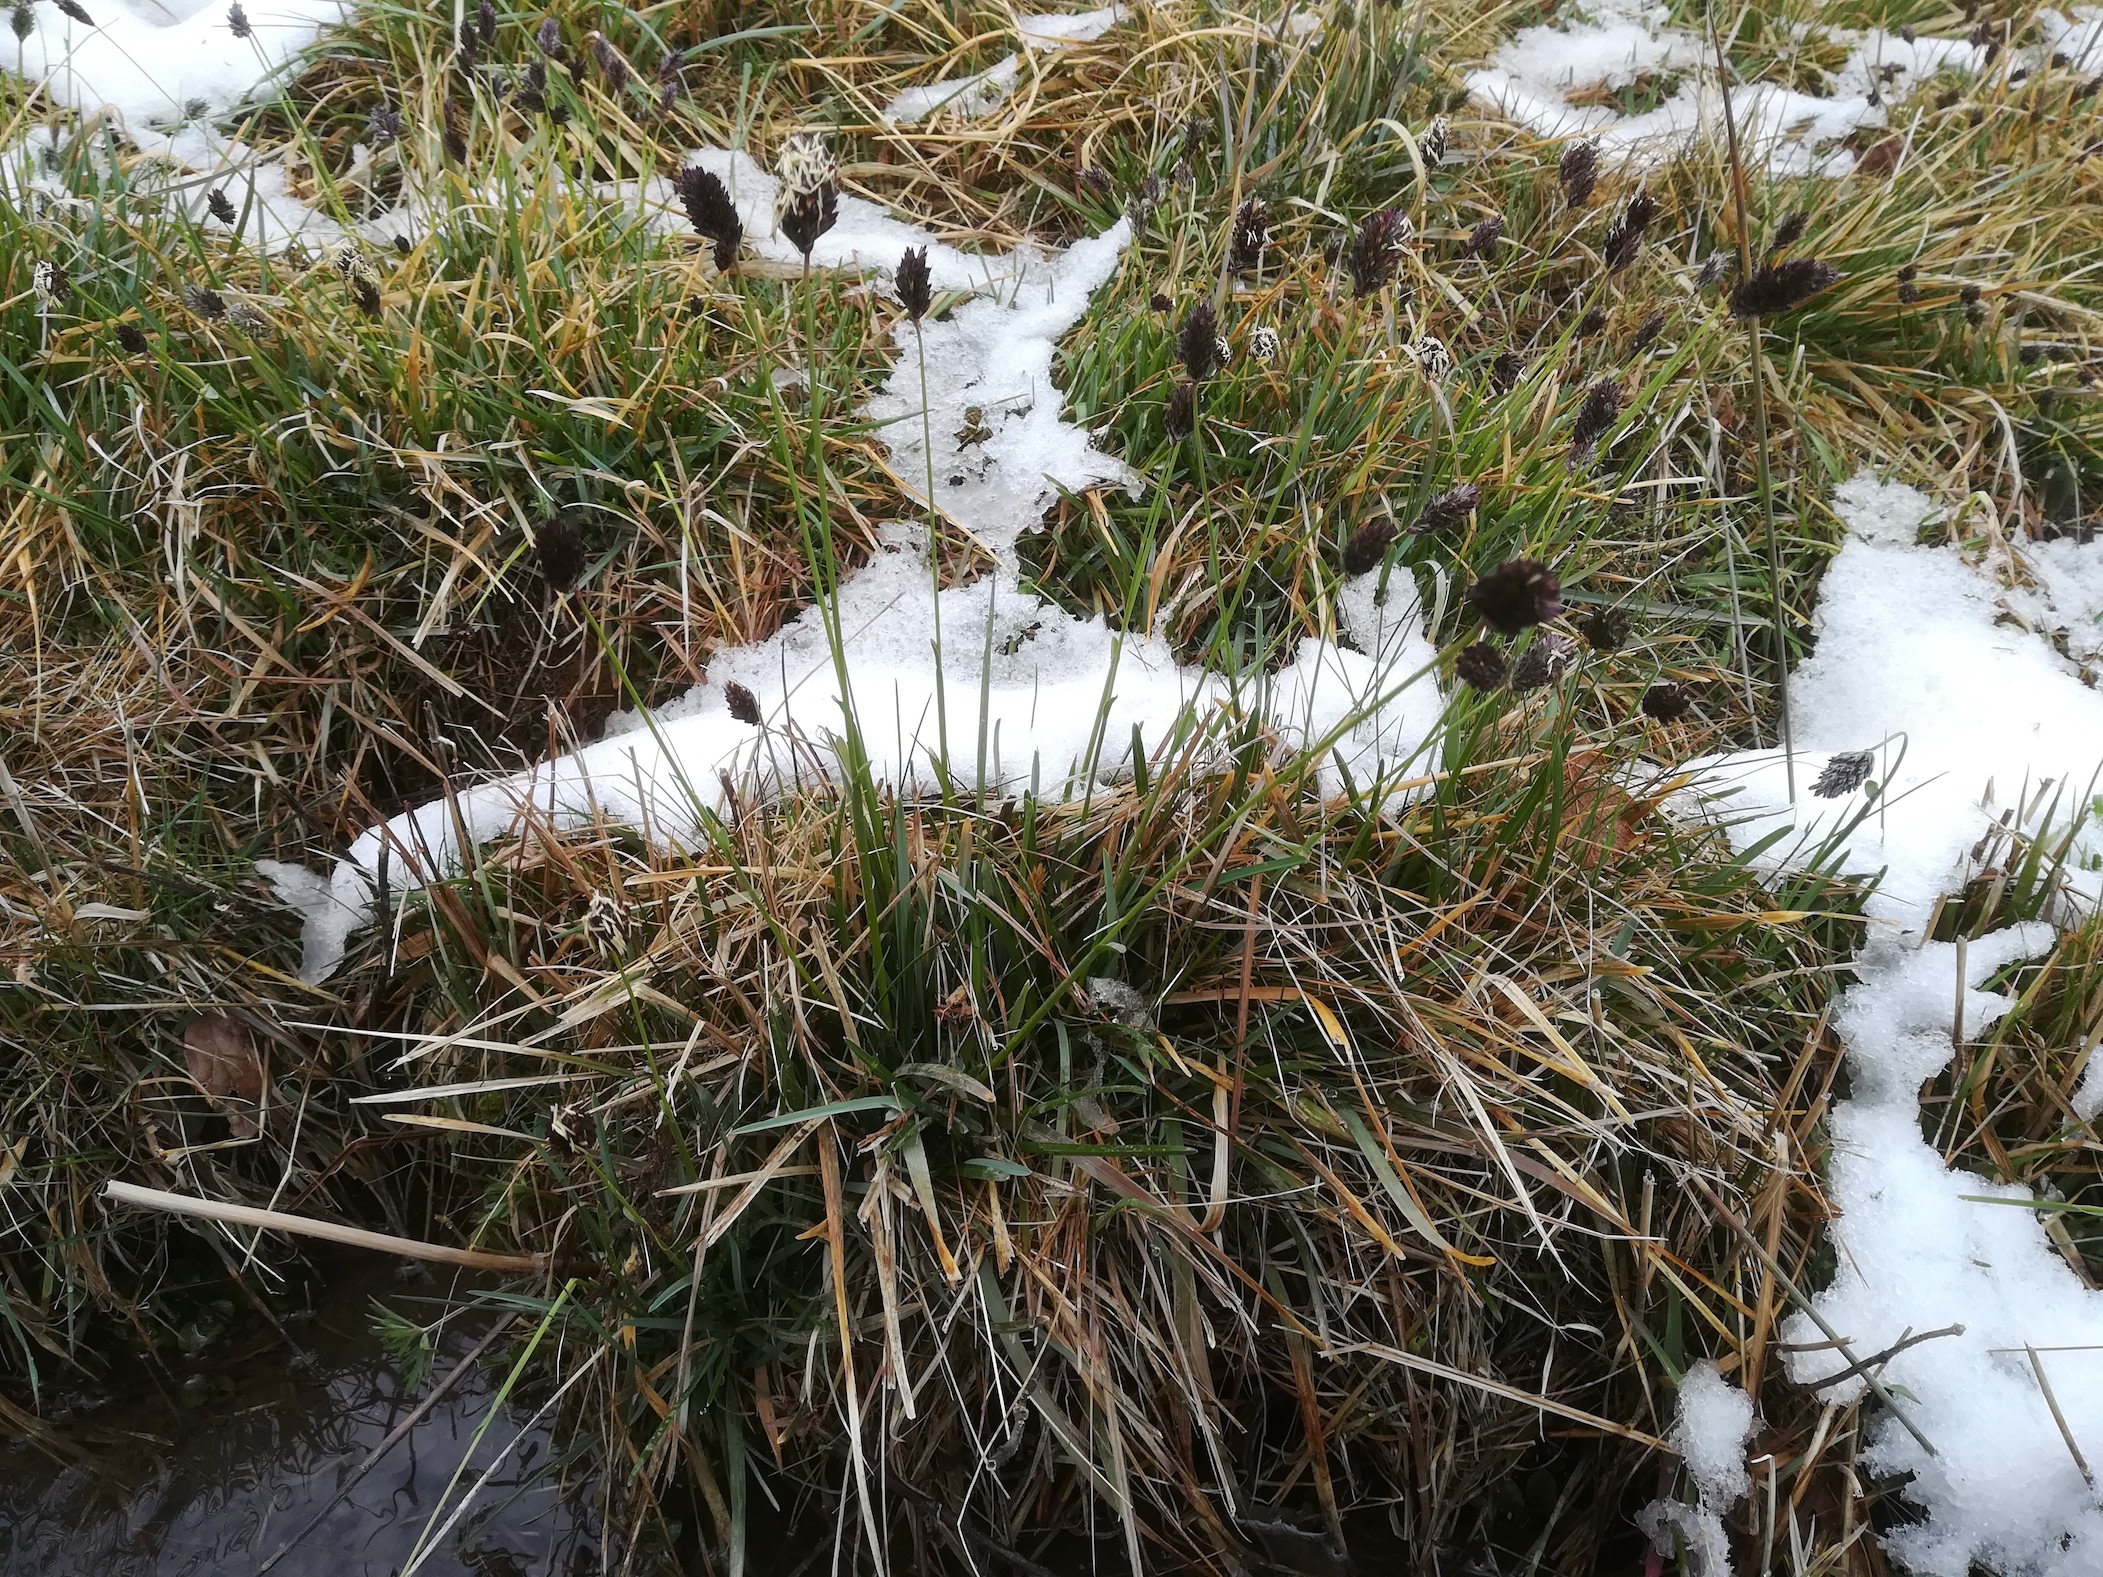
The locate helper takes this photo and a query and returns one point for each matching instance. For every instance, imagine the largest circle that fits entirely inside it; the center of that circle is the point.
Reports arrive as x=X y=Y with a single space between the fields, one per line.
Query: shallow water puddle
x=214 y=1466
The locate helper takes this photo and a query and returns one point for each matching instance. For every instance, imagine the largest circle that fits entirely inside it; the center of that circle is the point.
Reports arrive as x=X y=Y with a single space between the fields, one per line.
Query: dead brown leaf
x=1881 y=158
x=221 y=1057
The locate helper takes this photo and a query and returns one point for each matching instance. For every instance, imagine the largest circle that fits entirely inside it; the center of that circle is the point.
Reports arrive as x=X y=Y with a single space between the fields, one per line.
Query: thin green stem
x=1778 y=611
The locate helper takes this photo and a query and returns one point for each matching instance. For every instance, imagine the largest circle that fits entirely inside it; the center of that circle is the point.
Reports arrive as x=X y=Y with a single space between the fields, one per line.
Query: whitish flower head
x=1431 y=356
x=805 y=166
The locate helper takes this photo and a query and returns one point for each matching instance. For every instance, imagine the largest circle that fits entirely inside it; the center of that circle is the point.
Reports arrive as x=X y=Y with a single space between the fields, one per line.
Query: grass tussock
x=1209 y=1168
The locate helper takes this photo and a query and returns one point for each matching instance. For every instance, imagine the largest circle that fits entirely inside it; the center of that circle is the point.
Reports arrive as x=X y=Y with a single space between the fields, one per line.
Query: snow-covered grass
x=1169 y=1057
x=1985 y=751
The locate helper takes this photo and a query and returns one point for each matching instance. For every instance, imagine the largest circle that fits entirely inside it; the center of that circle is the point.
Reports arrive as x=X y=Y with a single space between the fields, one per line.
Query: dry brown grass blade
x=304 y=1226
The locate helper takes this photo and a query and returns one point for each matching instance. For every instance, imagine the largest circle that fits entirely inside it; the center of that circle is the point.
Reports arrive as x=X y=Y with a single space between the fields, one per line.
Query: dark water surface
x=213 y=1464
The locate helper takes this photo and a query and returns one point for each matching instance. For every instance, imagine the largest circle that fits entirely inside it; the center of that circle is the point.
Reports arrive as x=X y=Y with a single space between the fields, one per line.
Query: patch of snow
x=2088 y=1100
x=1056 y=31
x=2076 y=33
x=984 y=685
x=1671 y=1524
x=865 y=236
x=1715 y=1419
x=1974 y=720
x=165 y=75
x=162 y=69
x=1923 y=1246
x=983 y=92
x=997 y=474
x=1914 y=647
x=1535 y=76
x=980 y=93
x=2066 y=599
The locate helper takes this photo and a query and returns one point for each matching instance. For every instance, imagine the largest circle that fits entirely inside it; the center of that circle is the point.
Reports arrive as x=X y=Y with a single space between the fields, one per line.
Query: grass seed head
x=1506 y=371
x=1197 y=346
x=132 y=339
x=808 y=217
x=383 y=124
x=486 y=23
x=205 y=302
x=1790 y=231
x=1595 y=415
x=669 y=84
x=1179 y=416
x=1578 y=171
x=713 y=215
x=1647 y=335
x=1264 y=343
x=77 y=11
x=1908 y=289
x=1604 y=629
x=1252 y=233
x=1624 y=237
x=1144 y=200
x=1377 y=251
x=558 y=549
x=1483 y=239
x=808 y=202
x=23 y=19
x=1431 y=356
x=743 y=704
x=1516 y=595
x=1544 y=662
x=1368 y=545
x=915 y=288
x=248 y=317
x=611 y=66
x=1667 y=702
x=1438 y=136
x=221 y=206
x=237 y=21
x=548 y=38
x=1844 y=773
x=1781 y=287
x=572 y=1129
x=608 y=919
x=1591 y=323
x=1449 y=509
x=1480 y=667
x=51 y=283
